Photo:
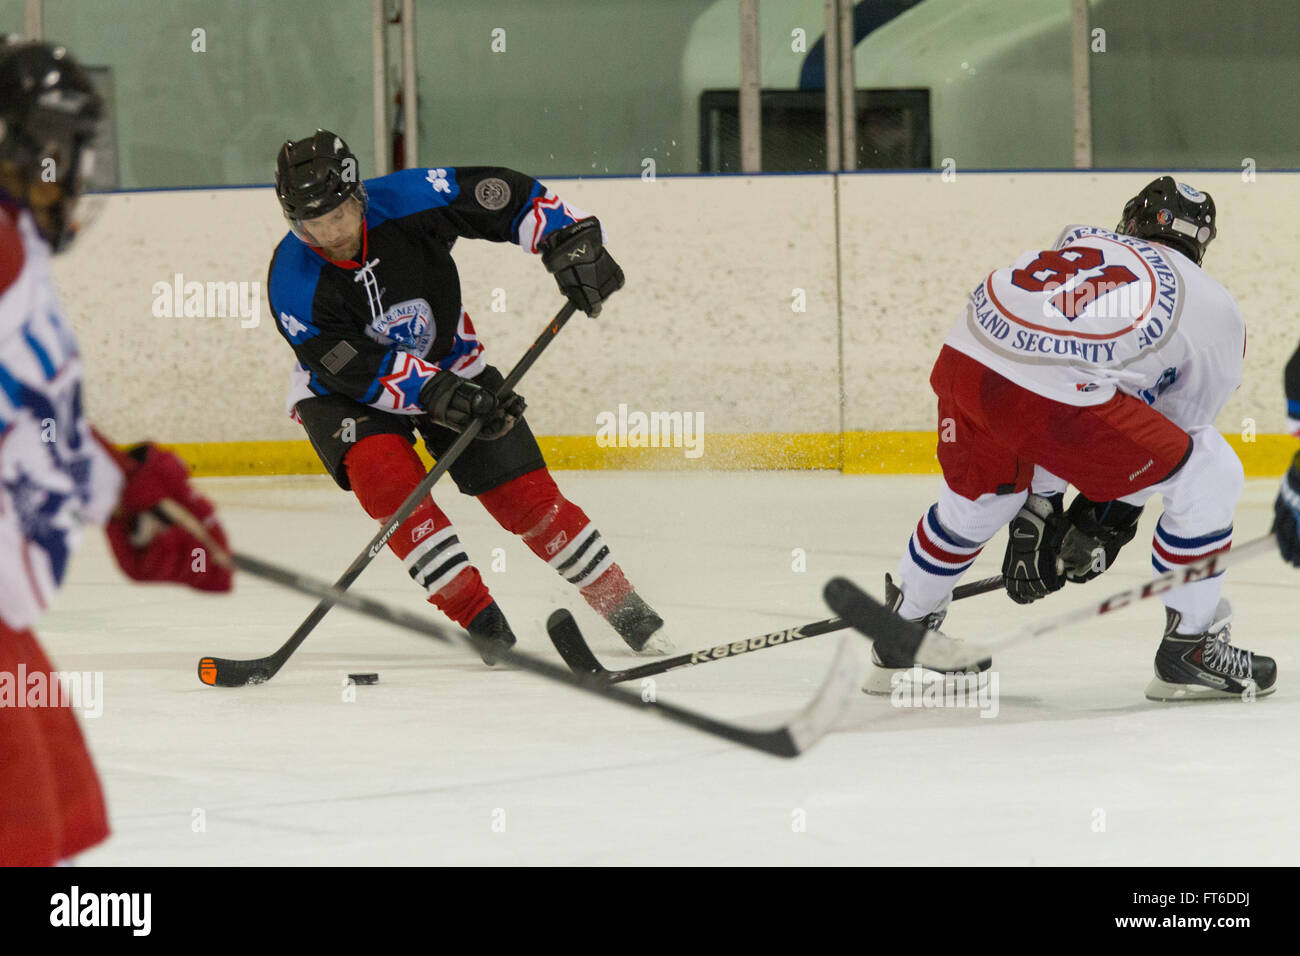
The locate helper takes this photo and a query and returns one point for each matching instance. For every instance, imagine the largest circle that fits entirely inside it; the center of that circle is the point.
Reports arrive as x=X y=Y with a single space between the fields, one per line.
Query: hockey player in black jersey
x=365 y=290
x=1287 y=507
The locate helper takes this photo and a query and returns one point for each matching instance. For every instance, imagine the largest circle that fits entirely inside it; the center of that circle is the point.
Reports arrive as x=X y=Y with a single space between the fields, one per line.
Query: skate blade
x=1163 y=691
x=657 y=645
x=881 y=682
x=496 y=662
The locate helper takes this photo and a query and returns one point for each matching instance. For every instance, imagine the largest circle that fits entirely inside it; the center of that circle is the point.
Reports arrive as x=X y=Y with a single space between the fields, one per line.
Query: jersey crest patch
x=492 y=194
x=1098 y=299
x=409 y=324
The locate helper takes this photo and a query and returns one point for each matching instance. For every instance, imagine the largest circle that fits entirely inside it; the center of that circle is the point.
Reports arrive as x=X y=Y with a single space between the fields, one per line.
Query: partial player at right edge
x=1286 y=525
x=1100 y=363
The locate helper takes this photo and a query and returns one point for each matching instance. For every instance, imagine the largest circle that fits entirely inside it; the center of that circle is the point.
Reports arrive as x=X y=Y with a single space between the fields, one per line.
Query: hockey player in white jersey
x=56 y=475
x=1099 y=363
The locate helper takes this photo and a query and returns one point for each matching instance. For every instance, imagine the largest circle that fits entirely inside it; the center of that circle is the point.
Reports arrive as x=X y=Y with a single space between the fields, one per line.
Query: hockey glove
x=585 y=271
x=454 y=402
x=510 y=408
x=1097 y=530
x=1286 y=523
x=1030 y=567
x=146 y=546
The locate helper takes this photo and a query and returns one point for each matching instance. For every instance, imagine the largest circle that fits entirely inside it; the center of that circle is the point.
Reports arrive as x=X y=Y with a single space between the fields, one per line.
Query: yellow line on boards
x=854 y=453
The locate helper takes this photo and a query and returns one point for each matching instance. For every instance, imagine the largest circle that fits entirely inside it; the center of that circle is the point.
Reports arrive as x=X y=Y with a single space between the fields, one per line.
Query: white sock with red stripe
x=1174 y=547
x=935 y=558
x=945 y=543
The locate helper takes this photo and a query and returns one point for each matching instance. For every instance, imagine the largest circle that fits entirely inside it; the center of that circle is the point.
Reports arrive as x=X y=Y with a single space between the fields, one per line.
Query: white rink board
x=705 y=323
x=905 y=284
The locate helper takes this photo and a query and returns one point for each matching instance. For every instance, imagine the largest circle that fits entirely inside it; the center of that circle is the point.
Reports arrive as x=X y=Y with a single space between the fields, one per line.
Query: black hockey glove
x=454 y=402
x=1286 y=523
x=1030 y=568
x=510 y=408
x=1097 y=530
x=585 y=271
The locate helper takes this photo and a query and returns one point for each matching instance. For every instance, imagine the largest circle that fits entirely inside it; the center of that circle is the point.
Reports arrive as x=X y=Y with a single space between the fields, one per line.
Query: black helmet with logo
x=1172 y=213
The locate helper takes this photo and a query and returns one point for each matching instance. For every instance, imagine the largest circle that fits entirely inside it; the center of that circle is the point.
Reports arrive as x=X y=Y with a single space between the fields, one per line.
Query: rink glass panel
x=562 y=88
x=1197 y=84
x=268 y=72
x=572 y=88
x=12 y=16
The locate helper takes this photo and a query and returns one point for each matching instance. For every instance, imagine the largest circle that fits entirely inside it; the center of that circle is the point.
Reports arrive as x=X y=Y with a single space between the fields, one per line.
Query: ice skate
x=1206 y=666
x=880 y=677
x=639 y=625
x=490 y=624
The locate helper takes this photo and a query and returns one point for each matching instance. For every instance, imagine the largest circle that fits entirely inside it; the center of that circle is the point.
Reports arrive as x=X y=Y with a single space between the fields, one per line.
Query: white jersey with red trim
x=54 y=476
x=1101 y=312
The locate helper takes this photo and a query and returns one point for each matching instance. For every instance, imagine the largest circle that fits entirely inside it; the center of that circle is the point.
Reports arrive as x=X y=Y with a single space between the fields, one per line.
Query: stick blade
x=221 y=672
x=824 y=711
x=872 y=619
x=571 y=645
x=797 y=735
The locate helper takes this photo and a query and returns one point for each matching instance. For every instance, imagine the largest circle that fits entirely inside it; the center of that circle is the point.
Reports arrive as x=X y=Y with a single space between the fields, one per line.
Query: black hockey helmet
x=1172 y=213
x=49 y=113
x=314 y=176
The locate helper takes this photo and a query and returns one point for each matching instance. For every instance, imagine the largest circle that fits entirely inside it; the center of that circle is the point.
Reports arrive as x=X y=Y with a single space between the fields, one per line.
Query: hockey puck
x=364 y=678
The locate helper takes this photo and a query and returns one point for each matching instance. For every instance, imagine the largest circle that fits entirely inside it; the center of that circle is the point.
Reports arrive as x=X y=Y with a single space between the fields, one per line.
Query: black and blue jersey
x=1291 y=380
x=378 y=329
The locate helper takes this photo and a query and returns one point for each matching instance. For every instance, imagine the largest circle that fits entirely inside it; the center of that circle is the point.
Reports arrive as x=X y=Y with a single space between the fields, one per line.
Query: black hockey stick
x=788 y=739
x=938 y=651
x=222 y=672
x=573 y=648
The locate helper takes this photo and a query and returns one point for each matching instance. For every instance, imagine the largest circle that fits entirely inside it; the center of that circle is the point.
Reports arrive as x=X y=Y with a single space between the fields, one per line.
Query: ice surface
x=447 y=762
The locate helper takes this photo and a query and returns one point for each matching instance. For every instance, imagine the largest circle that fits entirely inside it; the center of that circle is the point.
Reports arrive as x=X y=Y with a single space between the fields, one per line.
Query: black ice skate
x=881 y=679
x=491 y=625
x=1206 y=666
x=638 y=625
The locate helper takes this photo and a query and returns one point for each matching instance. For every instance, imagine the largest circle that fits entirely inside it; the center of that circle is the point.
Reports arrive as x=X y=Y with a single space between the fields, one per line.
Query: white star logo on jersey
x=294 y=327
x=437 y=178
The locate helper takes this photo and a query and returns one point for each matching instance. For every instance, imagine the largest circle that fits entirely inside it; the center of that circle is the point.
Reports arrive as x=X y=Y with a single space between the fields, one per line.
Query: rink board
x=854 y=453
x=799 y=315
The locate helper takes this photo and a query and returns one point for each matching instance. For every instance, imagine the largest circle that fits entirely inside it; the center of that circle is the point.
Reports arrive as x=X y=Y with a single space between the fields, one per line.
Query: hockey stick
x=935 y=650
x=221 y=672
x=568 y=640
x=789 y=739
